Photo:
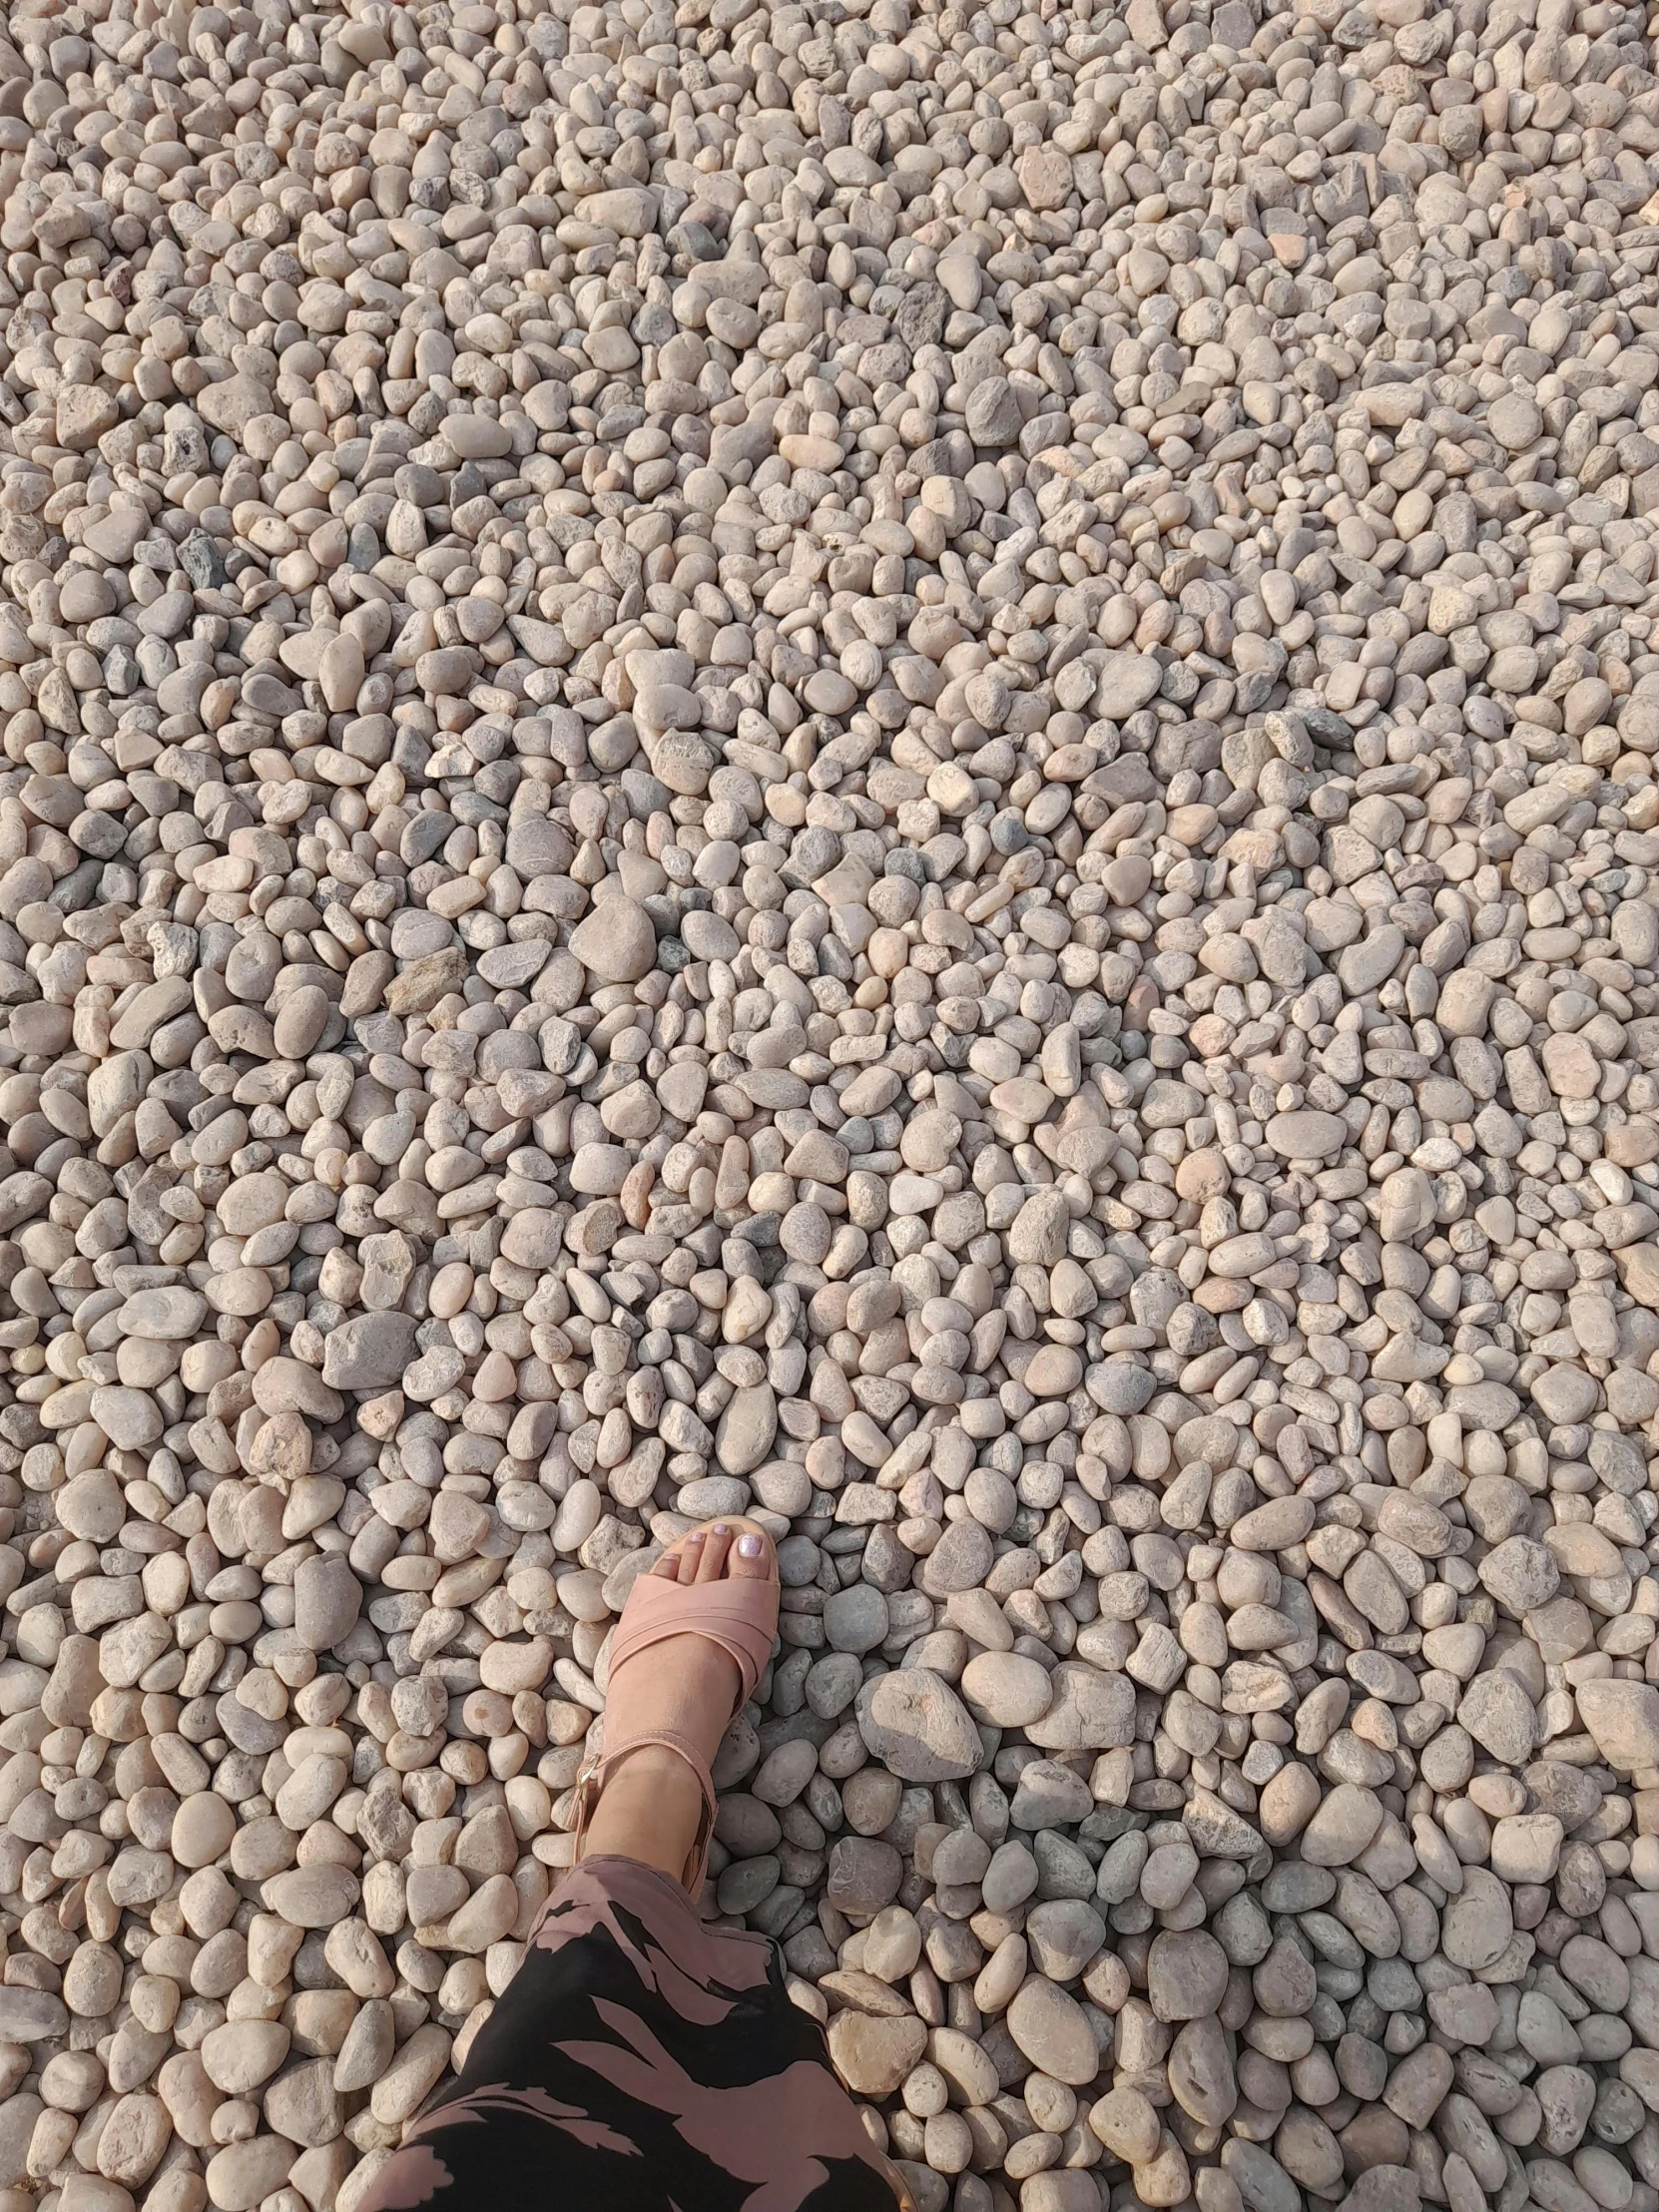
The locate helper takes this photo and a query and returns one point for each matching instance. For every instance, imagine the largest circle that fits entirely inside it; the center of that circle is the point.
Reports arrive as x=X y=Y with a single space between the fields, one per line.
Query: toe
x=716 y=1545
x=686 y=1557
x=752 y=1557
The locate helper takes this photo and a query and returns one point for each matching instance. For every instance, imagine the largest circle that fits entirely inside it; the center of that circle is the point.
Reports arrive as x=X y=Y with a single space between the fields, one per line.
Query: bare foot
x=650 y=1806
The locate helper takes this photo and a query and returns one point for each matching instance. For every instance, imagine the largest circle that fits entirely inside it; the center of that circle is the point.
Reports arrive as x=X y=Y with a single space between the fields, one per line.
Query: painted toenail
x=749 y=1547
x=720 y=1530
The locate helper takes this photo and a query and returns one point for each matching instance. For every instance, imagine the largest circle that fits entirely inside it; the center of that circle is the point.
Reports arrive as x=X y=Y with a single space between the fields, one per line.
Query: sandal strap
x=740 y=1616
x=590 y=1782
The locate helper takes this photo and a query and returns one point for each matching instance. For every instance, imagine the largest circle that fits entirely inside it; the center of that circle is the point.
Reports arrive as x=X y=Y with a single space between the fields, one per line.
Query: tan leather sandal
x=738 y=1613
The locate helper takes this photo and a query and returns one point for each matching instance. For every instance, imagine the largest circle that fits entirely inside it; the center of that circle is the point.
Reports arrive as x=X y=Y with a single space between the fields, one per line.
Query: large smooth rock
x=917 y=1725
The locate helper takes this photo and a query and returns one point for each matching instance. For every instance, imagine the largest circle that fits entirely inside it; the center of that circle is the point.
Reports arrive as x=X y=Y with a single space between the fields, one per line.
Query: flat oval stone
x=1053 y=2031
x=1307 y=1135
x=1005 y=1689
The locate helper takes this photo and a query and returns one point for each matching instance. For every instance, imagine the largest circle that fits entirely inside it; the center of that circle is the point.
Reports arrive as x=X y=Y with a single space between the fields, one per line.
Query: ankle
x=649 y=1810
x=652 y=1770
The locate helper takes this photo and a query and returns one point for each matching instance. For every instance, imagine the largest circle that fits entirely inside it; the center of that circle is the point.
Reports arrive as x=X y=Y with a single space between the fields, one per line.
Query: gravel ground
x=889 y=766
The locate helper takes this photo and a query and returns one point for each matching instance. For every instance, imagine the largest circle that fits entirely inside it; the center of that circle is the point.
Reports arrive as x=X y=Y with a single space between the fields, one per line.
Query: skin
x=652 y=1804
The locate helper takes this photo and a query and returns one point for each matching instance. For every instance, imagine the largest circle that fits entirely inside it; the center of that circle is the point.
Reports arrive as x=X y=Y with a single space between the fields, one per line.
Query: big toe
x=751 y=1558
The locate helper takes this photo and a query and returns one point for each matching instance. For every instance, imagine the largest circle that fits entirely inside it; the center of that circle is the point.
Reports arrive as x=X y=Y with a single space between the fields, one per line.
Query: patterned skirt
x=640 y=2061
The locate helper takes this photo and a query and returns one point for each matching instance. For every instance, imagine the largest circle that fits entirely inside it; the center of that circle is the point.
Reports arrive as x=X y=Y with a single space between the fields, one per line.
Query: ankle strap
x=590 y=1784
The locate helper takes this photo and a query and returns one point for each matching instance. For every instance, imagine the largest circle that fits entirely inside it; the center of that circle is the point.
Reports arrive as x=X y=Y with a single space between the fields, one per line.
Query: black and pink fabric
x=641 y=2062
